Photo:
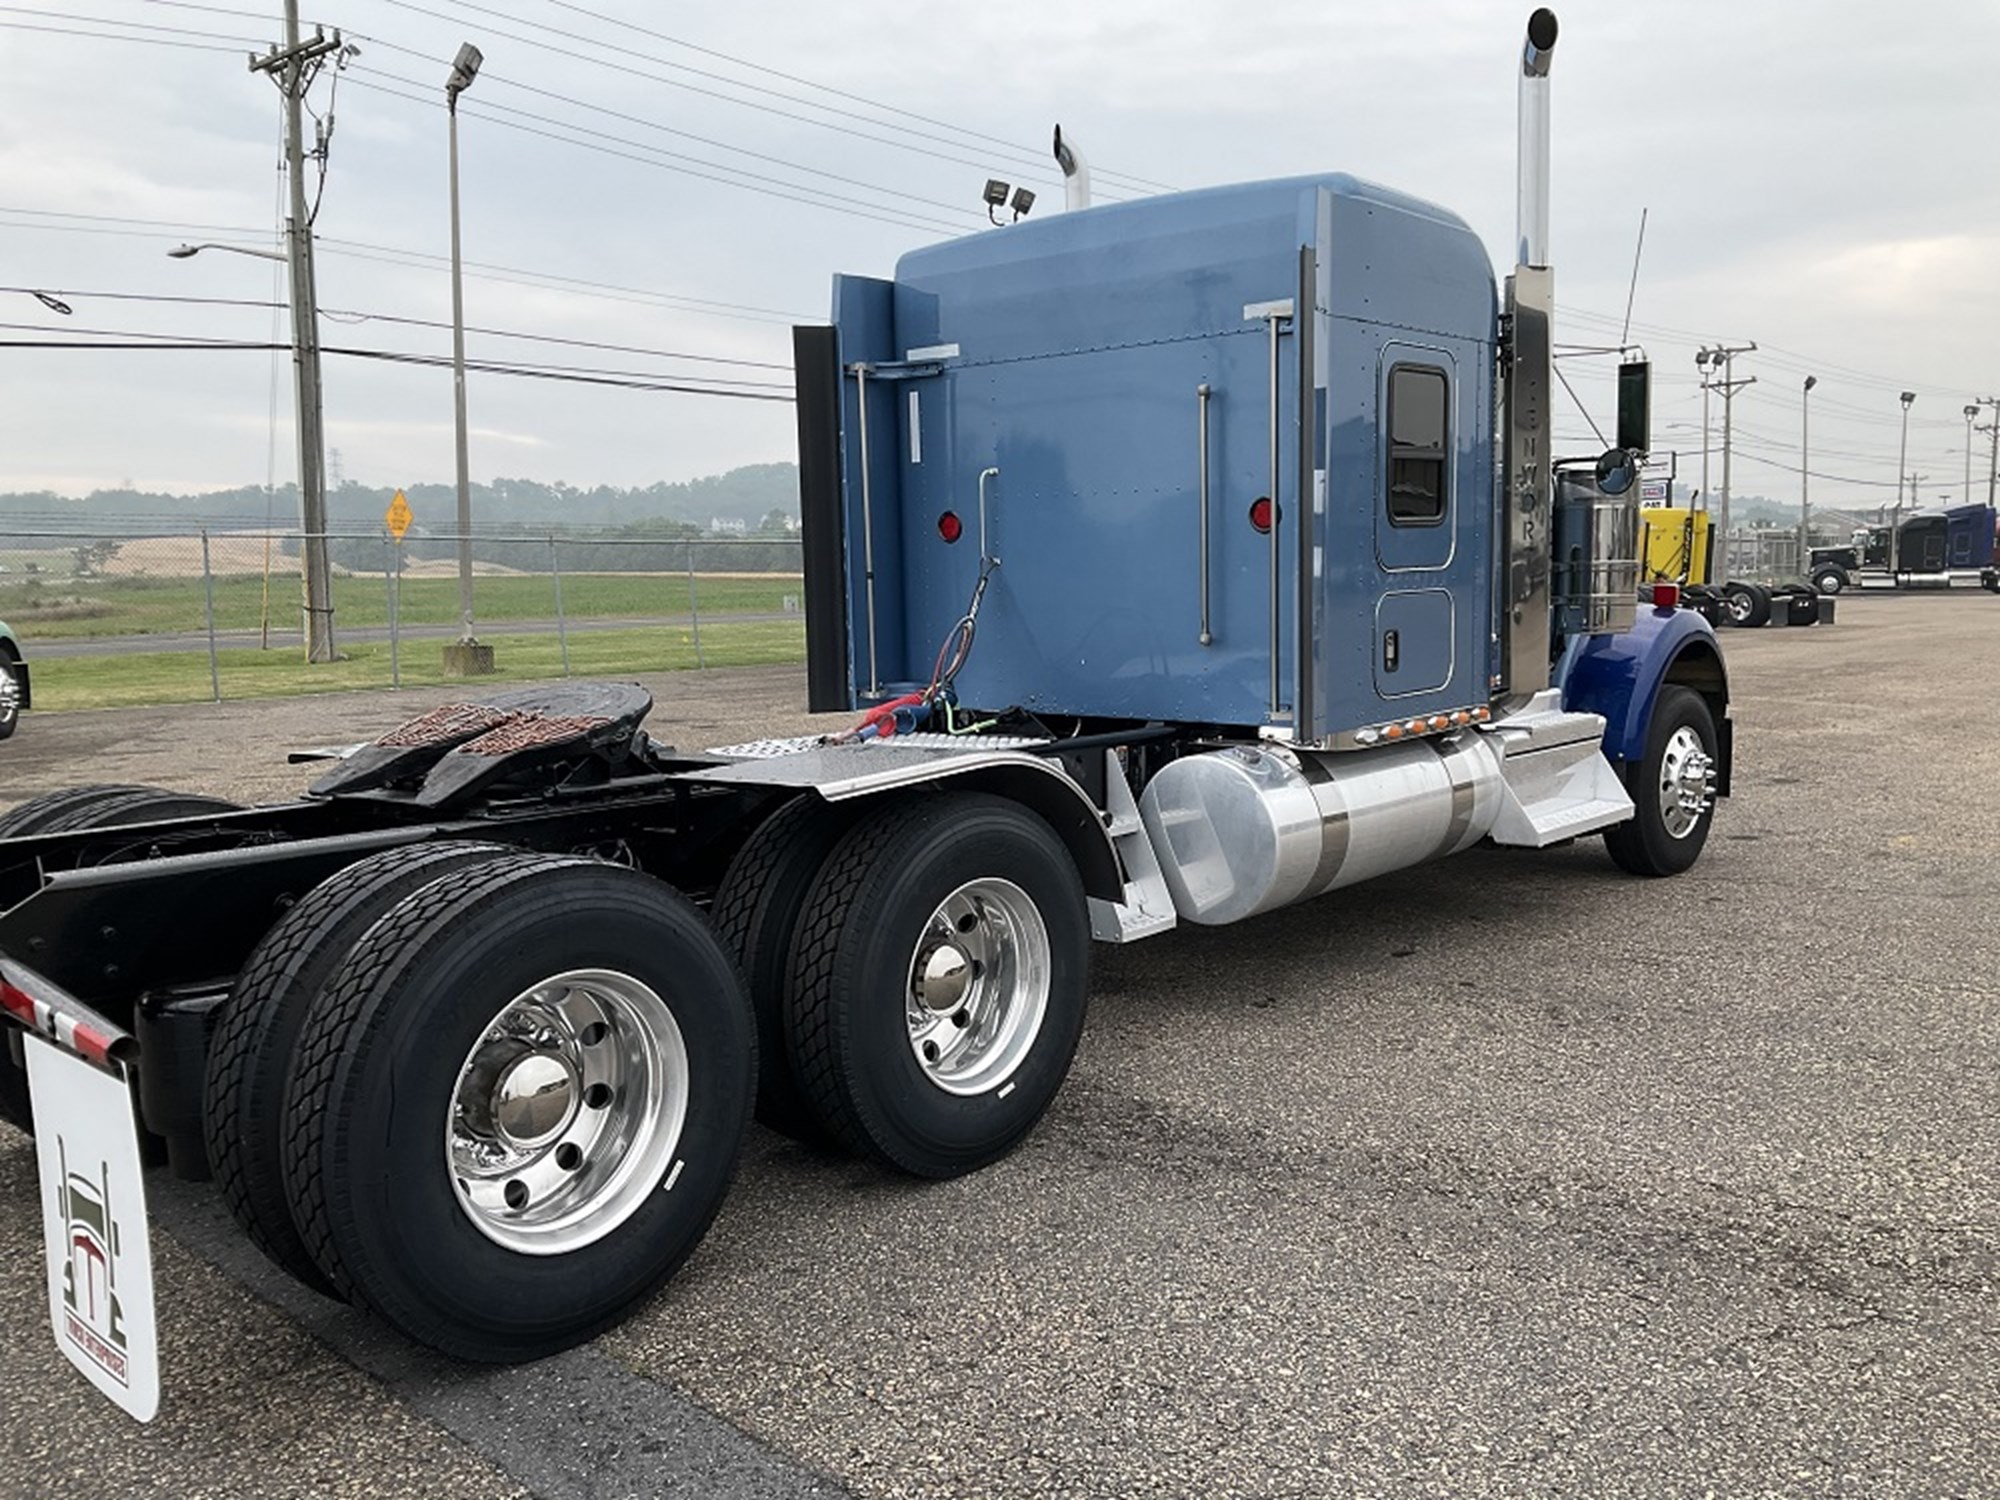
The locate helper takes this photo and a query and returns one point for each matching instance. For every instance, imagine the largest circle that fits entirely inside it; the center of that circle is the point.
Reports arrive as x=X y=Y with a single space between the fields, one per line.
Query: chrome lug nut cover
x=567 y=1111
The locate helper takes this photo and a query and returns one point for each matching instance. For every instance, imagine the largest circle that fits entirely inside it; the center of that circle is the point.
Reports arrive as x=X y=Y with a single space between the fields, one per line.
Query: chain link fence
x=163 y=616
x=1769 y=554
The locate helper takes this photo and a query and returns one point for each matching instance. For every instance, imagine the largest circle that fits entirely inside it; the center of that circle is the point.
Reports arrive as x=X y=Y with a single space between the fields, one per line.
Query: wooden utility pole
x=293 y=67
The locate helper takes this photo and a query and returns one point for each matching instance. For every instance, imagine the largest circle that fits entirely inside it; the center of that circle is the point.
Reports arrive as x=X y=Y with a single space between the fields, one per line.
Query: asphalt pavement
x=1506 y=1176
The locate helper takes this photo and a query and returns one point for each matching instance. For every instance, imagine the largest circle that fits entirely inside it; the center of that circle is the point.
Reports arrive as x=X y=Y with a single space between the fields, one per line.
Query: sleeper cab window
x=1418 y=444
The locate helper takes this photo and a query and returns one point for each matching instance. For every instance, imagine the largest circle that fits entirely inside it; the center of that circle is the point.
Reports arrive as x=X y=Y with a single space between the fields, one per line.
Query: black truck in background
x=1924 y=549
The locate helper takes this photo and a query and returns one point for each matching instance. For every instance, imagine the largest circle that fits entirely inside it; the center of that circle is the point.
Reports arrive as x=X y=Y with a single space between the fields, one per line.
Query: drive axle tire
x=1748 y=605
x=71 y=810
x=755 y=913
x=516 y=1109
x=123 y=807
x=1672 y=789
x=939 y=981
x=38 y=813
x=250 y=1054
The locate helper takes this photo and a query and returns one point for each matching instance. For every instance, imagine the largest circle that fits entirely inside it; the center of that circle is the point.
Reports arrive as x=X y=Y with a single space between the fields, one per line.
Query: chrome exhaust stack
x=1075 y=170
x=1527 y=482
x=1531 y=203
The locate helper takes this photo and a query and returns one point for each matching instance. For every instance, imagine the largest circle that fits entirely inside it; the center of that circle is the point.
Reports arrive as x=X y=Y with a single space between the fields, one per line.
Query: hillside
x=747 y=496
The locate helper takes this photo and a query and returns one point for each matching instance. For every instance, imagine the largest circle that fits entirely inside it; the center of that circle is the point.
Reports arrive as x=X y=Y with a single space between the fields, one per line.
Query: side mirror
x=1616 y=471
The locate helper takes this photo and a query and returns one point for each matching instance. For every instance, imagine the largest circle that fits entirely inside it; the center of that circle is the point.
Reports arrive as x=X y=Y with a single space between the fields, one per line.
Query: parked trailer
x=1199 y=495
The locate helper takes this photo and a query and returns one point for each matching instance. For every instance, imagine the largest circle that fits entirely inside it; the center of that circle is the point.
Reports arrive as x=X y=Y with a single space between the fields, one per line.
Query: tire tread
x=247 y=1172
x=345 y=1008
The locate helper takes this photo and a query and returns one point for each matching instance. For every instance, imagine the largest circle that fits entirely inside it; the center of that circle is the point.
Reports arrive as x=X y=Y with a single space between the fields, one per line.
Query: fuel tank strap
x=1335 y=829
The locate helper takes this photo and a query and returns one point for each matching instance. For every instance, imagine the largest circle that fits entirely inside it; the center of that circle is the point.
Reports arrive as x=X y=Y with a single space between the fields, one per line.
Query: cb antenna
x=1625 y=333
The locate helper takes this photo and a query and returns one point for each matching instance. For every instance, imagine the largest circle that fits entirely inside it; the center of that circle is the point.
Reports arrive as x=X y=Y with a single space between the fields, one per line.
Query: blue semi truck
x=1178 y=559
x=1922 y=549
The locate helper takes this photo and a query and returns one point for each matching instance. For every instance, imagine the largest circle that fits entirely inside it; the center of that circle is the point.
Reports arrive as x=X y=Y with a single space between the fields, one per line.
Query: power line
x=400 y=256
x=492 y=111
x=207 y=341
x=176 y=224
x=904 y=144
x=137 y=234
x=908 y=114
x=354 y=315
x=166 y=344
x=491 y=77
x=173 y=31
x=1772 y=463
x=215 y=10
x=572 y=285
x=897 y=218
x=113 y=36
x=1776 y=355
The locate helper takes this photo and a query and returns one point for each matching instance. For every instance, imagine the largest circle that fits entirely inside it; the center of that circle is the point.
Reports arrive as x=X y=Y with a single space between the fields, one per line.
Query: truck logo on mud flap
x=93 y=1320
x=96 y=1244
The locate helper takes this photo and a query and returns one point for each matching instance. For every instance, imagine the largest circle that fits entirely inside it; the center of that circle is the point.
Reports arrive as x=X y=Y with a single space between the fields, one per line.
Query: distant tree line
x=756 y=497
x=643 y=547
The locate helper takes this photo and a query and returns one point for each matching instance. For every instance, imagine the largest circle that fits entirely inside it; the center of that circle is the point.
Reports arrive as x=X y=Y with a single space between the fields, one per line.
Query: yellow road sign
x=398 y=516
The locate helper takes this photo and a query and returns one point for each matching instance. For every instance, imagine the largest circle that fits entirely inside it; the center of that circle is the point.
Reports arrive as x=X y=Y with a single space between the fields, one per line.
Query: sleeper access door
x=1408 y=524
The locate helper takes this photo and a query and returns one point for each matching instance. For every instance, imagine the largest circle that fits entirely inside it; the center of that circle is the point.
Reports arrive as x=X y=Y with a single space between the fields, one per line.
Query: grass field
x=125 y=680
x=88 y=607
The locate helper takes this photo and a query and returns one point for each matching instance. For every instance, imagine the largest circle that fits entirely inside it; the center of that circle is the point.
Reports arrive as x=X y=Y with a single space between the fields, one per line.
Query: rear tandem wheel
x=517 y=1108
x=71 y=810
x=938 y=982
x=257 y=1028
x=755 y=913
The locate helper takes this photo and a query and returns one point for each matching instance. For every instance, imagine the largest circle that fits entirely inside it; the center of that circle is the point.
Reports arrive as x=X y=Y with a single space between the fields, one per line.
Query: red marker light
x=1260 y=513
x=950 y=527
x=1666 y=594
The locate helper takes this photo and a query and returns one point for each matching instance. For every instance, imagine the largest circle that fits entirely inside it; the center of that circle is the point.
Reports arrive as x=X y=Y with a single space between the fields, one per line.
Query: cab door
x=1426 y=601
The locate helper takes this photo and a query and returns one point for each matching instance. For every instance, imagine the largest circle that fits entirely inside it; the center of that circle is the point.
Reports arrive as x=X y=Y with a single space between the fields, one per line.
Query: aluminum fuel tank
x=1248 y=828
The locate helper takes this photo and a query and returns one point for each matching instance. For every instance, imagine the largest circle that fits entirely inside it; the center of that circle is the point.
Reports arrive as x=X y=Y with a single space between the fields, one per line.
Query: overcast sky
x=1820 y=178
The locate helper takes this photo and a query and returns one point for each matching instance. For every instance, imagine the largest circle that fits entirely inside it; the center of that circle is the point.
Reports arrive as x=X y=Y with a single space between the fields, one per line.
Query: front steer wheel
x=516 y=1108
x=938 y=981
x=1672 y=789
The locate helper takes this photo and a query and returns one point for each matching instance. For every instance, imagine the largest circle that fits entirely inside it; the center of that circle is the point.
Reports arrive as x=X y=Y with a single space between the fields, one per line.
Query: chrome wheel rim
x=10 y=693
x=1687 y=782
x=1739 y=607
x=978 y=987
x=567 y=1111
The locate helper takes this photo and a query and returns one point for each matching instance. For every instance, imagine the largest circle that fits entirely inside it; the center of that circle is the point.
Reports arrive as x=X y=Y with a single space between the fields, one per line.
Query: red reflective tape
x=92 y=1043
x=18 y=1002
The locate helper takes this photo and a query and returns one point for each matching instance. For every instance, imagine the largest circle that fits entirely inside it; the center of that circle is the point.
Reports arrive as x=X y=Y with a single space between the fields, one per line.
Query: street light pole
x=1724 y=356
x=1902 y=464
x=1805 y=471
x=1971 y=411
x=1993 y=456
x=1701 y=363
x=470 y=658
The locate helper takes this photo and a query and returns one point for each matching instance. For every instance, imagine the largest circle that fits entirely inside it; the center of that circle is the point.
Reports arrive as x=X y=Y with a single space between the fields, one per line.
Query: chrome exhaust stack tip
x=1532 y=198
x=1075 y=170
